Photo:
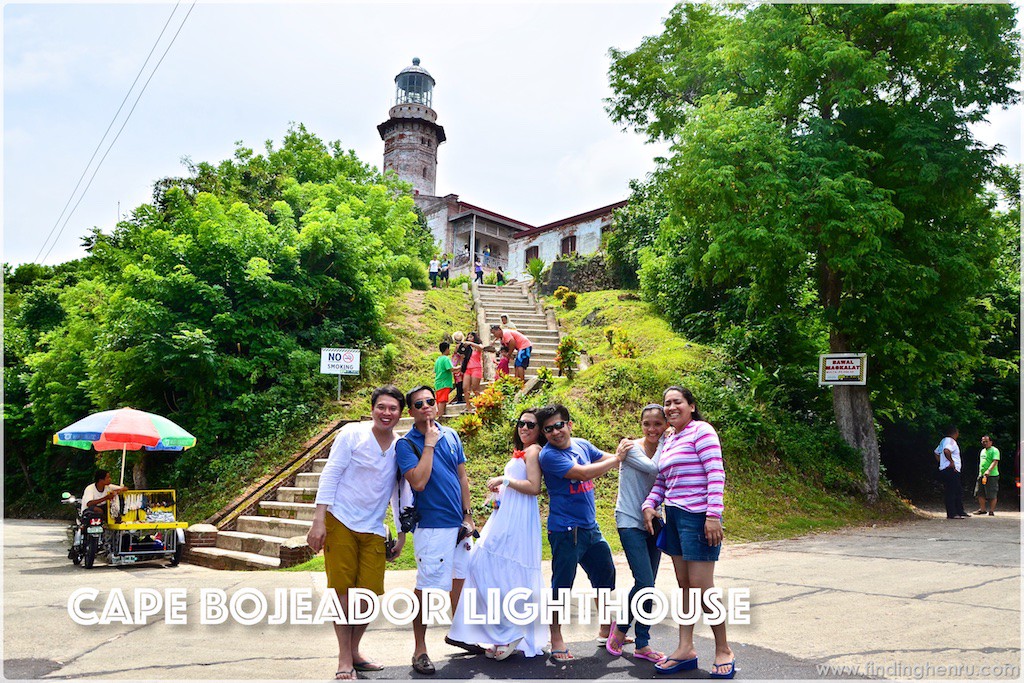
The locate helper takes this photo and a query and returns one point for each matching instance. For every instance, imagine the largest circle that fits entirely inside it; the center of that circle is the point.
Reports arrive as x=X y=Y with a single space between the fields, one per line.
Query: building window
x=569 y=244
x=424 y=171
x=532 y=253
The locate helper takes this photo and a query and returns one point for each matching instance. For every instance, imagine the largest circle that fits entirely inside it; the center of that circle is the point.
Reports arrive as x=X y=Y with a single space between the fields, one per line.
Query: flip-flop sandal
x=680 y=665
x=423 y=665
x=728 y=674
x=650 y=656
x=349 y=672
x=502 y=652
x=567 y=656
x=367 y=666
x=612 y=643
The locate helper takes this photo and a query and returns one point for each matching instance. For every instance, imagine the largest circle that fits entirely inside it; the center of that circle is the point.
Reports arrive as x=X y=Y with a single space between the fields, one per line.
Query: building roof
x=466 y=209
x=579 y=218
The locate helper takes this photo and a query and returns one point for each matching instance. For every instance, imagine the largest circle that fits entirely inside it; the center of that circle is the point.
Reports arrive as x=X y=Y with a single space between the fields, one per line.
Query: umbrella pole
x=124 y=450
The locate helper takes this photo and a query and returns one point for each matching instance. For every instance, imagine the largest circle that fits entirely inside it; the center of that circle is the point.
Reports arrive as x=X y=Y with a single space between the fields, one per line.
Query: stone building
x=411 y=138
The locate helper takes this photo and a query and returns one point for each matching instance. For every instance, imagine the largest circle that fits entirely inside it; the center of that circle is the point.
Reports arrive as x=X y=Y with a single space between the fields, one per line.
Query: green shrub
x=561 y=292
x=569 y=301
x=567 y=356
x=535 y=267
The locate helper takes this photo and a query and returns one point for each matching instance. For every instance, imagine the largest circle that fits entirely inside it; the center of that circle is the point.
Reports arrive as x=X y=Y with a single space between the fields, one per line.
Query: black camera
x=409 y=517
x=464 y=532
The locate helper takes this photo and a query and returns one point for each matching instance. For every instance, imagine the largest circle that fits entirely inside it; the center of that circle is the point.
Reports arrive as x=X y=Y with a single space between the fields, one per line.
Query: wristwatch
x=466 y=512
x=505 y=482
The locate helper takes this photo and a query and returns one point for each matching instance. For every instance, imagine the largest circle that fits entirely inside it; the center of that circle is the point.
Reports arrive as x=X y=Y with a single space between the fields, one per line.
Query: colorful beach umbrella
x=126 y=429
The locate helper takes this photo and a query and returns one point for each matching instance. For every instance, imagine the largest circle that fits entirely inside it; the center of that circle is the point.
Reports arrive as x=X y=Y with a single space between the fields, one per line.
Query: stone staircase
x=278 y=527
x=257 y=540
x=519 y=304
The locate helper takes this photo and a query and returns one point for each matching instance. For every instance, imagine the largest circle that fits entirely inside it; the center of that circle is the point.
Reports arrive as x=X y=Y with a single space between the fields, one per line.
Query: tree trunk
x=856 y=422
x=139 y=472
x=851 y=404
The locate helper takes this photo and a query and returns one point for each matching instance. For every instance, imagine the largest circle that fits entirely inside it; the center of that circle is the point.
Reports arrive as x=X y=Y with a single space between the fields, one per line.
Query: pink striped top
x=690 y=471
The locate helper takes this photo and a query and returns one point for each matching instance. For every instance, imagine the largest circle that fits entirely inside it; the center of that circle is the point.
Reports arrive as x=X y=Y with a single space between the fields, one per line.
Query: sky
x=520 y=92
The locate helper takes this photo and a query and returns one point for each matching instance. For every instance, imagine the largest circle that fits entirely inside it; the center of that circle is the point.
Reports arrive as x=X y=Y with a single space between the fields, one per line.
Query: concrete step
x=296 y=494
x=318 y=464
x=257 y=544
x=297 y=511
x=273 y=526
x=219 y=558
x=307 y=480
x=508 y=308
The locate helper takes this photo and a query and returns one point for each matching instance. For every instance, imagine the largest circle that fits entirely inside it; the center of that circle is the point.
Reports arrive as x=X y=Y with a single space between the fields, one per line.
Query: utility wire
x=123 y=124
x=109 y=126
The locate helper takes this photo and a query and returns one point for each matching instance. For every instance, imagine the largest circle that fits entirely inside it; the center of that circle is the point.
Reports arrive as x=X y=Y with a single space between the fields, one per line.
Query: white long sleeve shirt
x=359 y=480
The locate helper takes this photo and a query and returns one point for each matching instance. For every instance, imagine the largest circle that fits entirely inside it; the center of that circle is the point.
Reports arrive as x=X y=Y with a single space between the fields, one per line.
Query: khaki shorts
x=353 y=559
x=989 y=491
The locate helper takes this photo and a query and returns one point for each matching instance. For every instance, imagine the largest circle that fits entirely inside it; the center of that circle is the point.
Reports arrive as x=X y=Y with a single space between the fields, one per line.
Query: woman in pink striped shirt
x=690 y=482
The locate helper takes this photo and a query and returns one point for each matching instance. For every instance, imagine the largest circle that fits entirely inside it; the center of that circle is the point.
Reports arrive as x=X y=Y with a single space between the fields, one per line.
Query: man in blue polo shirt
x=431 y=459
x=569 y=467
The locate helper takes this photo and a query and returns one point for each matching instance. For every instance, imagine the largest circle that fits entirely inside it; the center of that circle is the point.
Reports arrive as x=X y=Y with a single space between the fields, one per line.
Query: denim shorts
x=523 y=357
x=684 y=536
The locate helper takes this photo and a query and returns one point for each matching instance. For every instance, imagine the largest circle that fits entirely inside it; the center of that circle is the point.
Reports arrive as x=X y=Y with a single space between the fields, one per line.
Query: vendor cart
x=144 y=526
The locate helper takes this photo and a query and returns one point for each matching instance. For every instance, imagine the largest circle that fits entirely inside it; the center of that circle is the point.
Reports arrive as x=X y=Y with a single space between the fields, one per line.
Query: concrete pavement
x=886 y=602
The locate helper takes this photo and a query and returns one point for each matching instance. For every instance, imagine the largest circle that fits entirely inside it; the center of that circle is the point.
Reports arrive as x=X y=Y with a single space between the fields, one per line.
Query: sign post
x=339 y=362
x=842 y=368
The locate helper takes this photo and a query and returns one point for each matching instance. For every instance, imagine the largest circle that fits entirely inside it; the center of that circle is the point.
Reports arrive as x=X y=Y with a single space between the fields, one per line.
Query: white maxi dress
x=506 y=556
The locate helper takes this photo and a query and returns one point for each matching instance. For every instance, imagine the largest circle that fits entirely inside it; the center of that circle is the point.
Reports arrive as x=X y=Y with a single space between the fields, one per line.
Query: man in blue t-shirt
x=570 y=466
x=431 y=459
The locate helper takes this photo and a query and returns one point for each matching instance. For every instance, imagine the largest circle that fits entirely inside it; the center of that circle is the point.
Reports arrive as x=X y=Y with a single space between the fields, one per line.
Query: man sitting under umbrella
x=100 y=491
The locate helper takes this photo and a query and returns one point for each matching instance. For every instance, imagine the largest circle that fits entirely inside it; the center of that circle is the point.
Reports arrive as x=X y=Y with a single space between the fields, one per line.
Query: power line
x=123 y=124
x=109 y=126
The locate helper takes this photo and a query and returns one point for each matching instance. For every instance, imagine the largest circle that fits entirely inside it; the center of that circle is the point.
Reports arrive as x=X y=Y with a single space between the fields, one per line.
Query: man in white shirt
x=358 y=481
x=948 y=455
x=100 y=491
x=435 y=266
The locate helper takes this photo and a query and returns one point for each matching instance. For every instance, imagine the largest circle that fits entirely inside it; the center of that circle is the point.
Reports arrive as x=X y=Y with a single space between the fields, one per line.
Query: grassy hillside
x=785 y=476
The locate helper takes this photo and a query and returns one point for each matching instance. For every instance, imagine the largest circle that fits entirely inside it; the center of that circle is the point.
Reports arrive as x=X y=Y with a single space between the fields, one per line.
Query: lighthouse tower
x=411 y=134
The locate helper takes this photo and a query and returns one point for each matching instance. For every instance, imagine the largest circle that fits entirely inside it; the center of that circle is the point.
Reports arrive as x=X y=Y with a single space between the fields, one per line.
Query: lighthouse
x=411 y=134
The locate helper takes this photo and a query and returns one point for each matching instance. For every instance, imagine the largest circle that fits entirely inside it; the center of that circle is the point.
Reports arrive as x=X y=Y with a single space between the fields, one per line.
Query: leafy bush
x=535 y=267
x=561 y=292
x=625 y=348
x=495 y=399
x=459 y=280
x=610 y=333
x=567 y=356
x=468 y=425
x=544 y=375
x=569 y=301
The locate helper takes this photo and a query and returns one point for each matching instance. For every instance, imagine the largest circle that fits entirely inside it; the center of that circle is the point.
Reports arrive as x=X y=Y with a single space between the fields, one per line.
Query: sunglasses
x=419 y=404
x=525 y=423
x=552 y=427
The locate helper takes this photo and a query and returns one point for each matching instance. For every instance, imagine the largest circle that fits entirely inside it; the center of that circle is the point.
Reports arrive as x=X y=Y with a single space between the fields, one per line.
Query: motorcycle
x=85 y=535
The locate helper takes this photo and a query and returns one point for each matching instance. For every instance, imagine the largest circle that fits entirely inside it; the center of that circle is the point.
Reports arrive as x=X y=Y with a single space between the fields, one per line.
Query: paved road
x=903 y=599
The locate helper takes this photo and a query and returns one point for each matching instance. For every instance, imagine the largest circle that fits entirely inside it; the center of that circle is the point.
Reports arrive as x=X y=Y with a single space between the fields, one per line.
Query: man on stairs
x=358 y=481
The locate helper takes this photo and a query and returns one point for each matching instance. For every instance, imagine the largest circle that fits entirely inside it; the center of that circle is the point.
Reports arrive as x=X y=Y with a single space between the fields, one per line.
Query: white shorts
x=438 y=560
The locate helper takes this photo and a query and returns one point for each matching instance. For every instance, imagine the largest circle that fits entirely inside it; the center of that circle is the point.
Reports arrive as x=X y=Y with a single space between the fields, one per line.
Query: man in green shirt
x=444 y=378
x=987 y=486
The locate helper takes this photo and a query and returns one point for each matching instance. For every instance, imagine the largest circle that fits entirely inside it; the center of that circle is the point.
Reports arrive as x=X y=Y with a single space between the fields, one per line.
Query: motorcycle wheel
x=91 y=545
x=74 y=556
x=177 y=555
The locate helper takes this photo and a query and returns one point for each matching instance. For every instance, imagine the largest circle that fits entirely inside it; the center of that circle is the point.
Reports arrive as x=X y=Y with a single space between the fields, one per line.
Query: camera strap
x=419 y=454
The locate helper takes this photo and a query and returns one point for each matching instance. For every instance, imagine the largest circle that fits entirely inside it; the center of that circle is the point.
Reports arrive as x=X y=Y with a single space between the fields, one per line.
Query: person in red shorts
x=444 y=378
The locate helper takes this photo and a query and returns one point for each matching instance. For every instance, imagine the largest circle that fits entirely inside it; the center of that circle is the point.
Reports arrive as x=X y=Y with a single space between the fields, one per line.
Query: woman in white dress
x=507 y=555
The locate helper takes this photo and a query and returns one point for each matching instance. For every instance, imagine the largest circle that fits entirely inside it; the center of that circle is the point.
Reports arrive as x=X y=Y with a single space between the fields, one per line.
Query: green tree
x=822 y=165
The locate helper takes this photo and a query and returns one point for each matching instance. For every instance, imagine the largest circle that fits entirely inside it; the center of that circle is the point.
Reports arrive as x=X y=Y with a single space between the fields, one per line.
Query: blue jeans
x=643 y=557
x=586 y=548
